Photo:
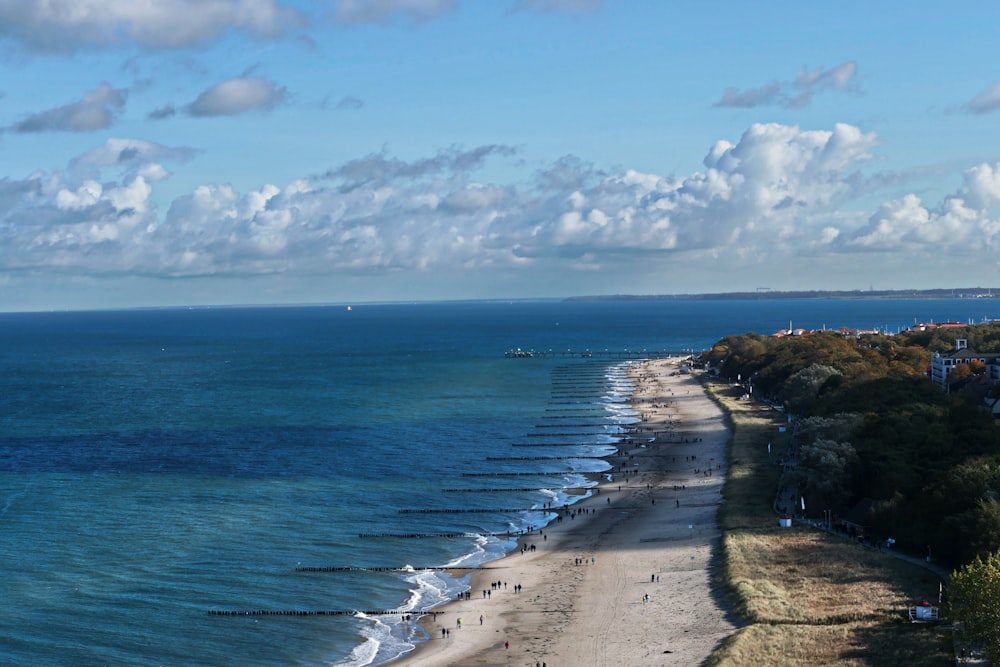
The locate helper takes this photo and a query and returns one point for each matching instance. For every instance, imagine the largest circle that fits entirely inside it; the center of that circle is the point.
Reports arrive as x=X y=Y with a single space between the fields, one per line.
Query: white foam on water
x=386 y=638
x=363 y=654
x=389 y=636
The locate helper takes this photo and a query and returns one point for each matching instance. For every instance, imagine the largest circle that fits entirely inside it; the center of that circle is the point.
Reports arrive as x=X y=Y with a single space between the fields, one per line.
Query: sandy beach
x=626 y=578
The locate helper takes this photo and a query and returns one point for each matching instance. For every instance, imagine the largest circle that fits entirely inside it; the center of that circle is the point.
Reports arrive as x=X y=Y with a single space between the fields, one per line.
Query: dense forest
x=875 y=436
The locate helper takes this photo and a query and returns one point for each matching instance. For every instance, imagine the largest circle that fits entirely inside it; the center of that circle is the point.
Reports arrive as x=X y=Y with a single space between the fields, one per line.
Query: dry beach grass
x=809 y=598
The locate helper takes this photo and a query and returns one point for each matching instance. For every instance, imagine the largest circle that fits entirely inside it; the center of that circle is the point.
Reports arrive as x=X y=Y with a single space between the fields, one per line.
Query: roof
x=969 y=353
x=924 y=326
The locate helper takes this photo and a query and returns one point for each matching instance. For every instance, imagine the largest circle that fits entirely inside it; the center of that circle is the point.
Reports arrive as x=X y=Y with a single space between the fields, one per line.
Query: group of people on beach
x=629 y=470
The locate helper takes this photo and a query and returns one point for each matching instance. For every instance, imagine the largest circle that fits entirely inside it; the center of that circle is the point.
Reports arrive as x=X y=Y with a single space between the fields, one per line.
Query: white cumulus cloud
x=965 y=219
x=776 y=192
x=66 y=25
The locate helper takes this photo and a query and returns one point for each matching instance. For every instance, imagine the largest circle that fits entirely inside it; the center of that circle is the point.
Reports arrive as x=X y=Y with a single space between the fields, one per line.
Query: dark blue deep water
x=159 y=464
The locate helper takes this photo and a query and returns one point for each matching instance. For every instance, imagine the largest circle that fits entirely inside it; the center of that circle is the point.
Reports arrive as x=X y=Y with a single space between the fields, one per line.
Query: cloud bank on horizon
x=248 y=151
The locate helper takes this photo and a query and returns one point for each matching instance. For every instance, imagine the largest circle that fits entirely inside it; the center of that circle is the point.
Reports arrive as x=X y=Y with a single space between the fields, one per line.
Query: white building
x=942 y=363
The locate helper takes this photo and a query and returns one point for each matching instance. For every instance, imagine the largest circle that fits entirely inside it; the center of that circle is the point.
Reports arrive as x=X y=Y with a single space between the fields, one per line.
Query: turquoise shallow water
x=156 y=465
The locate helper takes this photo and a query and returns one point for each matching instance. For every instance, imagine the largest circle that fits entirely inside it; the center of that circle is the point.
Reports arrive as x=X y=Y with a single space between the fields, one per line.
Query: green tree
x=930 y=460
x=974 y=600
x=802 y=389
x=975 y=531
x=824 y=472
x=835 y=427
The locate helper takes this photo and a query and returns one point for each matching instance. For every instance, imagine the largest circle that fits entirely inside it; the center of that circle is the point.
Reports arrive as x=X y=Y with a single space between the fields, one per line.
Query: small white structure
x=924 y=612
x=785 y=521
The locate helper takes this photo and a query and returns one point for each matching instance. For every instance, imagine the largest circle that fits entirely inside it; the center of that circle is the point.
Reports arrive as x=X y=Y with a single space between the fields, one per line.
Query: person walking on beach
x=480 y=619
x=506 y=645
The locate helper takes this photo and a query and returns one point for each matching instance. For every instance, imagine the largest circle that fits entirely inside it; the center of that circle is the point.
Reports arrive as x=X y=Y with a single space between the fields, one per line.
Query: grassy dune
x=808 y=597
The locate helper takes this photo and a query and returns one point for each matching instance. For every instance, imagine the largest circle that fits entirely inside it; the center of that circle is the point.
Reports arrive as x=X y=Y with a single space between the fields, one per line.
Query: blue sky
x=188 y=152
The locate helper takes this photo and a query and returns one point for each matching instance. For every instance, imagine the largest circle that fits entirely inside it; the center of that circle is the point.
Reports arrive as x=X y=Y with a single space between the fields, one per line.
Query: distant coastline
x=940 y=293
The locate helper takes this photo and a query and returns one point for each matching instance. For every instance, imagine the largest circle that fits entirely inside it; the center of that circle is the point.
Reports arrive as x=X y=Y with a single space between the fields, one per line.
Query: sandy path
x=650 y=532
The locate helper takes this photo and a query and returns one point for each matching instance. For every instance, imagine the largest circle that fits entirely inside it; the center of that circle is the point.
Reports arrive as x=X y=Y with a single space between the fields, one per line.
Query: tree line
x=873 y=432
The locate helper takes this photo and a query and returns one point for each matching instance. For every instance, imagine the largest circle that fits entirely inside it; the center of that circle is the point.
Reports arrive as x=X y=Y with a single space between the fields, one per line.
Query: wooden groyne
x=406 y=568
x=418 y=536
x=475 y=510
x=560 y=444
x=529 y=489
x=577 y=407
x=316 y=612
x=541 y=458
x=566 y=435
x=594 y=415
x=595 y=354
x=550 y=473
x=580 y=381
x=583 y=394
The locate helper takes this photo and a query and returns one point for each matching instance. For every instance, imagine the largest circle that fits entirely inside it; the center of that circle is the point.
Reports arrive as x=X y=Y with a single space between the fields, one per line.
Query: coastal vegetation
x=876 y=441
x=975 y=591
x=879 y=451
x=807 y=597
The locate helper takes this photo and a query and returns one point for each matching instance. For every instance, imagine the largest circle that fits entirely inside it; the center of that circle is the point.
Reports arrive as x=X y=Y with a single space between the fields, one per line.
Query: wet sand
x=649 y=532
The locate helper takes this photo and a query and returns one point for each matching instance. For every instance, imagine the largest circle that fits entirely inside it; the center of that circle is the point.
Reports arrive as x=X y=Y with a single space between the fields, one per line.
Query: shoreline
x=625 y=577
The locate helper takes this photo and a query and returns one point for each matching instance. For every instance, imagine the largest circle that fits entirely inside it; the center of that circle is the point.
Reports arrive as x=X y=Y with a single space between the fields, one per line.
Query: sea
x=167 y=476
